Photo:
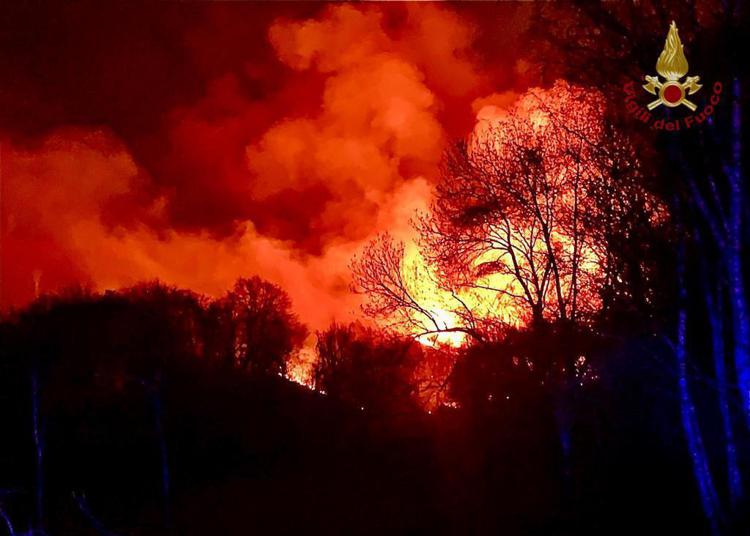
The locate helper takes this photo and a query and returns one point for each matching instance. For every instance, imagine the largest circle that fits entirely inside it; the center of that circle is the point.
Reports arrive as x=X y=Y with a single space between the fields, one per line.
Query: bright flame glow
x=300 y=367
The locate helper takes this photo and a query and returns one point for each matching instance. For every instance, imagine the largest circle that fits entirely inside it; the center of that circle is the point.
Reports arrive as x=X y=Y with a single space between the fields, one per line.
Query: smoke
x=281 y=167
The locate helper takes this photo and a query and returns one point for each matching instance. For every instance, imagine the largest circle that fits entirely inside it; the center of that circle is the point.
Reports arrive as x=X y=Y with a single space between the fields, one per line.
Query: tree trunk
x=716 y=321
x=737 y=298
x=706 y=489
x=159 y=421
x=38 y=451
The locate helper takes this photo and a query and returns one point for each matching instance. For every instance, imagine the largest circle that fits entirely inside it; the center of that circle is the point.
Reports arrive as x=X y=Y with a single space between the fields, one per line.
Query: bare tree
x=254 y=327
x=365 y=368
x=527 y=214
x=381 y=274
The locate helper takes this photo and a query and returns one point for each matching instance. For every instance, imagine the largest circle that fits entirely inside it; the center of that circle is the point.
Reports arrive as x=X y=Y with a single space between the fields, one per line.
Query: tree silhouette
x=701 y=171
x=392 y=291
x=367 y=369
x=254 y=327
x=529 y=215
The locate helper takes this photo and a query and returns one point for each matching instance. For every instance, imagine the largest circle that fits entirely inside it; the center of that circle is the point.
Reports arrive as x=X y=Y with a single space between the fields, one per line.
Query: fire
x=445 y=308
x=445 y=320
x=517 y=229
x=288 y=185
x=300 y=367
x=423 y=284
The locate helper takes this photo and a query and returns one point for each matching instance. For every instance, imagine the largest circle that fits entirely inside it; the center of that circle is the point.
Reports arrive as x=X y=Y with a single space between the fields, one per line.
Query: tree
x=527 y=217
x=255 y=328
x=532 y=207
x=96 y=375
x=395 y=290
x=367 y=369
x=702 y=171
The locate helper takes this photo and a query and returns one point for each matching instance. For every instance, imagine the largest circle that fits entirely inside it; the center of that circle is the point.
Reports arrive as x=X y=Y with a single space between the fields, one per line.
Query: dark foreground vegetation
x=130 y=413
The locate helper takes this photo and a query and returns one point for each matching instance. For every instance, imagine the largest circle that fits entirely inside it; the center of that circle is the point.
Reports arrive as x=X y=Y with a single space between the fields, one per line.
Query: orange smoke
x=287 y=186
x=58 y=194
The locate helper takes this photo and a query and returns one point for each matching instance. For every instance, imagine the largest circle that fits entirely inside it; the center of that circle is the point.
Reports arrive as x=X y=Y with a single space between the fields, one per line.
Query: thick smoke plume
x=294 y=151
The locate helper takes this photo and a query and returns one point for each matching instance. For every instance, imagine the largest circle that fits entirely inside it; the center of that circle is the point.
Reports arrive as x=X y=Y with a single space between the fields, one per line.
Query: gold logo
x=672 y=65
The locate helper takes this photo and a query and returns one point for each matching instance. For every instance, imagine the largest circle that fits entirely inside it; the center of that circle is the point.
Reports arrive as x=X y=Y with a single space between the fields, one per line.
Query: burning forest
x=364 y=268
